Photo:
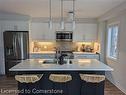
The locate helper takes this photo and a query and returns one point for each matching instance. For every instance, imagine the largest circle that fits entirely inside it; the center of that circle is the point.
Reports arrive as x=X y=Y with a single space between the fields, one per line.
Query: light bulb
x=50 y=24
x=62 y=25
x=73 y=25
x=45 y=47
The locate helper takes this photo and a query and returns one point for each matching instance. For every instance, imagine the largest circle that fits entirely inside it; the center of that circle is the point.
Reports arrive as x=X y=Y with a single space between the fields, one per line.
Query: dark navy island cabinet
x=74 y=87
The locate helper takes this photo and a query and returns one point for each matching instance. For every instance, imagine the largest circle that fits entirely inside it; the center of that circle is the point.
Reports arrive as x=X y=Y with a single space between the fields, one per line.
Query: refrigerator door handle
x=15 y=49
x=14 y=45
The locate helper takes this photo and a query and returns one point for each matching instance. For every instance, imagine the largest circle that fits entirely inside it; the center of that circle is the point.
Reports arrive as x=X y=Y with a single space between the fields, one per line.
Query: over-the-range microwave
x=64 y=36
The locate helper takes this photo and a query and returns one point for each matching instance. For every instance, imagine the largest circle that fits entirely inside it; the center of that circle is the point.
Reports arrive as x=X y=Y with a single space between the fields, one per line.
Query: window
x=112 y=41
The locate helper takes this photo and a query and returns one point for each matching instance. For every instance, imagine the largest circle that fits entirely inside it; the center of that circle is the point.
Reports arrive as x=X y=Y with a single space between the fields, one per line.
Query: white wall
x=118 y=76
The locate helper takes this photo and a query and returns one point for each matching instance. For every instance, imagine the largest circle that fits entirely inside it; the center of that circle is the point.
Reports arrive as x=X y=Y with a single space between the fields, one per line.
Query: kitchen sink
x=49 y=61
x=53 y=61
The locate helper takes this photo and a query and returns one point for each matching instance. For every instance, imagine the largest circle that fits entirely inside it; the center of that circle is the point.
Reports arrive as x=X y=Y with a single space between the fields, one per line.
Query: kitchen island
x=77 y=67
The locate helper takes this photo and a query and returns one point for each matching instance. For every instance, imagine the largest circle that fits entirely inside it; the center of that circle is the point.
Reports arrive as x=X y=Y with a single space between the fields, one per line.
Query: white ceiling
x=40 y=8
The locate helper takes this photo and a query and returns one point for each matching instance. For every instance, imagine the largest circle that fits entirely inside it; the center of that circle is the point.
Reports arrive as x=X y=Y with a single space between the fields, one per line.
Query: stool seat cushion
x=60 y=78
x=92 y=78
x=28 y=78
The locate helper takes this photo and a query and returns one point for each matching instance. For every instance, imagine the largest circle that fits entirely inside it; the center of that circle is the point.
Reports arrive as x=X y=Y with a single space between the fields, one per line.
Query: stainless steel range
x=65 y=54
x=62 y=57
x=66 y=49
x=68 y=54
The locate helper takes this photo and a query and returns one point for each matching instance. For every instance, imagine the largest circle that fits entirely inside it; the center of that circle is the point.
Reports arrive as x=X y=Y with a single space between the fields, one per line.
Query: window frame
x=109 y=42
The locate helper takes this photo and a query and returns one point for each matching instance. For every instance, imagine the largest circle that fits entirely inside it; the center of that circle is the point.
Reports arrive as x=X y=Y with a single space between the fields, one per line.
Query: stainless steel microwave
x=64 y=36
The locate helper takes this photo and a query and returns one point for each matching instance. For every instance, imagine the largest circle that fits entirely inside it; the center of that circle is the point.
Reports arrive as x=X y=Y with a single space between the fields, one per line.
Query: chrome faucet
x=59 y=57
x=58 y=54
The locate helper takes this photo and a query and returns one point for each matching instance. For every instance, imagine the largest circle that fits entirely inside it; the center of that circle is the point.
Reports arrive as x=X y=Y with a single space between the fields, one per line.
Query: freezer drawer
x=9 y=64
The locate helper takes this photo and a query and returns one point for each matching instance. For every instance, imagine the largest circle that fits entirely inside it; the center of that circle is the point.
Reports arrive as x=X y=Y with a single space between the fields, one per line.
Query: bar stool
x=92 y=84
x=60 y=83
x=28 y=82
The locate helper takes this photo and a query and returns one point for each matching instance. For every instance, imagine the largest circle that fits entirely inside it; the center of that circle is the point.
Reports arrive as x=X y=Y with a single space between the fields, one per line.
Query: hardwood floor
x=110 y=89
x=9 y=83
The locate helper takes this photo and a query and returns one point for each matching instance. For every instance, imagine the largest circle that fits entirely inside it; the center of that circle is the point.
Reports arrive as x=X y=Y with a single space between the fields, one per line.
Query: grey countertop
x=78 y=65
x=53 y=52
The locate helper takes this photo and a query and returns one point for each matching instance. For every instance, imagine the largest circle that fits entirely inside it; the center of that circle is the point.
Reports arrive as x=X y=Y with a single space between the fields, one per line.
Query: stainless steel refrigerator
x=16 y=48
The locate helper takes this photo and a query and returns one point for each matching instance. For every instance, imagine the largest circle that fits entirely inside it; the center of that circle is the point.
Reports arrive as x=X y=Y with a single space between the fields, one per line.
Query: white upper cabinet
x=68 y=26
x=15 y=25
x=40 y=31
x=85 y=32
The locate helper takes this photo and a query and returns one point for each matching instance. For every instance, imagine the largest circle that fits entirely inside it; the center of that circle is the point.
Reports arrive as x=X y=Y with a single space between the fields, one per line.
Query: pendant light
x=73 y=22
x=50 y=14
x=62 y=19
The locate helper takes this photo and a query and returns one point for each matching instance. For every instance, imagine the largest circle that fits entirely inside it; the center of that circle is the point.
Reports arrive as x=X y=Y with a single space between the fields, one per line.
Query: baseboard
x=118 y=86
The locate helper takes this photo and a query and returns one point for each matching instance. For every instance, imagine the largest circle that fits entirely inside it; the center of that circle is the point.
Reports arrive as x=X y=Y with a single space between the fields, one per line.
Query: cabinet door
x=81 y=56
x=15 y=25
x=68 y=26
x=42 y=56
x=86 y=56
x=89 y=88
x=91 y=32
x=85 y=32
x=94 y=56
x=40 y=31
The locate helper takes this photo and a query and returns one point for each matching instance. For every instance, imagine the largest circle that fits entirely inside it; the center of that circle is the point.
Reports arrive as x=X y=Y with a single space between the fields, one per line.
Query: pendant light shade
x=62 y=25
x=50 y=24
x=62 y=19
x=50 y=14
x=62 y=22
x=73 y=25
x=73 y=22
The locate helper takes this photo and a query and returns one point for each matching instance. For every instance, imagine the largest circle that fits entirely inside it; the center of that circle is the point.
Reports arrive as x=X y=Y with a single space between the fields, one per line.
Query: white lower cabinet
x=42 y=56
x=52 y=56
x=87 y=56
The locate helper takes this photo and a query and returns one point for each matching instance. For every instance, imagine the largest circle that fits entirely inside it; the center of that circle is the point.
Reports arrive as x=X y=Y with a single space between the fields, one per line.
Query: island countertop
x=77 y=65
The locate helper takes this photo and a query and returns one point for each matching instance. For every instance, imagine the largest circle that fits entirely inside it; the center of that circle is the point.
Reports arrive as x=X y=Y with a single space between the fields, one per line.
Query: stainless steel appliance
x=62 y=57
x=65 y=54
x=16 y=48
x=68 y=54
x=64 y=36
